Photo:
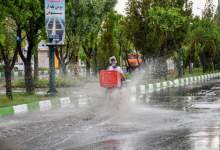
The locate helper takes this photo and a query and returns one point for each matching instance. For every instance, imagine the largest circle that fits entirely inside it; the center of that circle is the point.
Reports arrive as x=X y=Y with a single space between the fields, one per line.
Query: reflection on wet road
x=185 y=118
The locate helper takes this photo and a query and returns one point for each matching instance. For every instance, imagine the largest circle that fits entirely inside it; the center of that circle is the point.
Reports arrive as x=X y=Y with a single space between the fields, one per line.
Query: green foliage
x=20 y=98
x=43 y=83
x=204 y=42
x=43 y=69
x=108 y=44
x=151 y=20
x=83 y=24
x=8 y=37
x=171 y=25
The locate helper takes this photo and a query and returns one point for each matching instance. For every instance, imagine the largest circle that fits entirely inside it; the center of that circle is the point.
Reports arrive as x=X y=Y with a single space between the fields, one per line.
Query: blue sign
x=55 y=21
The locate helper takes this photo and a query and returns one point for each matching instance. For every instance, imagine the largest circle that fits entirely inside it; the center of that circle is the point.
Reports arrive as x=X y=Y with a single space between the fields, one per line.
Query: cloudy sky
x=198 y=5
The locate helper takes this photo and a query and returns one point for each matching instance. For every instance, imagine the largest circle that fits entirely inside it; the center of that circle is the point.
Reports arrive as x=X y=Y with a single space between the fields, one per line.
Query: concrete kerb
x=181 y=82
x=170 y=83
x=165 y=84
x=176 y=82
x=158 y=85
x=35 y=106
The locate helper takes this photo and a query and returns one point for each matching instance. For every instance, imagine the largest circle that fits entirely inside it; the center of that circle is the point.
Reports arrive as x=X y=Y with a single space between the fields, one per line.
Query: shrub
x=43 y=69
x=43 y=83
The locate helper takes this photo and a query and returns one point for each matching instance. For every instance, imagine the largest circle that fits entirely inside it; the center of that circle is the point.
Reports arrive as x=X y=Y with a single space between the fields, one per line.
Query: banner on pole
x=55 y=21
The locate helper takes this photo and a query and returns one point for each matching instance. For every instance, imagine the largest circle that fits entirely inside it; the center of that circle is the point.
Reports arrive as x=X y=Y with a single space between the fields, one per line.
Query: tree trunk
x=164 y=67
x=28 y=77
x=190 y=67
x=95 y=67
x=36 y=67
x=63 y=68
x=8 y=82
x=88 y=66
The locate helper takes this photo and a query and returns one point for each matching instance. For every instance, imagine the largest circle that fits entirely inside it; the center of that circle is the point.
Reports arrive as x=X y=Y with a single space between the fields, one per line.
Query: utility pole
x=218 y=11
x=52 y=82
x=55 y=27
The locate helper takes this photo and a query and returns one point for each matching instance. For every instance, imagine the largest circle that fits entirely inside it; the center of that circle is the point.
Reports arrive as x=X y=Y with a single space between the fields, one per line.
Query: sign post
x=55 y=28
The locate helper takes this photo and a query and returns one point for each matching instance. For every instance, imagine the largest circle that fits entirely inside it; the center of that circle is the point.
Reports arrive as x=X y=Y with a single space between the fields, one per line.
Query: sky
x=198 y=6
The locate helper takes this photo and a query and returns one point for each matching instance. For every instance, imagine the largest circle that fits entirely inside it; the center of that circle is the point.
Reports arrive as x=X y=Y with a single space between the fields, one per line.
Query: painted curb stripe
x=55 y=103
x=176 y=82
x=83 y=101
x=195 y=78
x=158 y=85
x=187 y=81
x=182 y=81
x=65 y=101
x=33 y=106
x=170 y=83
x=6 y=111
x=164 y=84
x=19 y=109
x=150 y=86
x=45 y=105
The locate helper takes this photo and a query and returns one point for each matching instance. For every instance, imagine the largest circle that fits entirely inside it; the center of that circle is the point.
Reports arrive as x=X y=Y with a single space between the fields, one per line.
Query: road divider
x=178 y=82
x=37 y=106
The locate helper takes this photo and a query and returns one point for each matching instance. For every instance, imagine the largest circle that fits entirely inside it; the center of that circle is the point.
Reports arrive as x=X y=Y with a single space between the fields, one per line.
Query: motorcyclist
x=113 y=66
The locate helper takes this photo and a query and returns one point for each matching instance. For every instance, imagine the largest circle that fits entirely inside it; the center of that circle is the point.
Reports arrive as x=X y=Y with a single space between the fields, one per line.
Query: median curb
x=46 y=105
x=149 y=88
x=35 y=106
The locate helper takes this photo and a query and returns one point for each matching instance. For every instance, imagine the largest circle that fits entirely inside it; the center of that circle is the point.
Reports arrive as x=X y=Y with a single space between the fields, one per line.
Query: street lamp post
x=52 y=84
x=55 y=27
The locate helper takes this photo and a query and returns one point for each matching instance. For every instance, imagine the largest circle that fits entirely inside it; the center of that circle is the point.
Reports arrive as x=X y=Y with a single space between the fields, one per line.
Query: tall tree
x=12 y=24
x=108 y=40
x=158 y=27
x=204 y=42
x=138 y=20
x=94 y=14
x=29 y=18
x=67 y=53
x=33 y=24
x=9 y=50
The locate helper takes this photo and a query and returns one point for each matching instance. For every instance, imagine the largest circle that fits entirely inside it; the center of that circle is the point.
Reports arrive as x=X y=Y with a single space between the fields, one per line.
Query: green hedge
x=43 y=69
x=43 y=83
x=20 y=98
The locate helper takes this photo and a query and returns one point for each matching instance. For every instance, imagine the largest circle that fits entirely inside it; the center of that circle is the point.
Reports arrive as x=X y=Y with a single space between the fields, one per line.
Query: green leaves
x=158 y=27
x=204 y=41
x=166 y=19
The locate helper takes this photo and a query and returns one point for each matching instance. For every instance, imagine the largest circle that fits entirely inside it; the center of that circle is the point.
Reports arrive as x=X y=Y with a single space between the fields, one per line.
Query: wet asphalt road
x=185 y=118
